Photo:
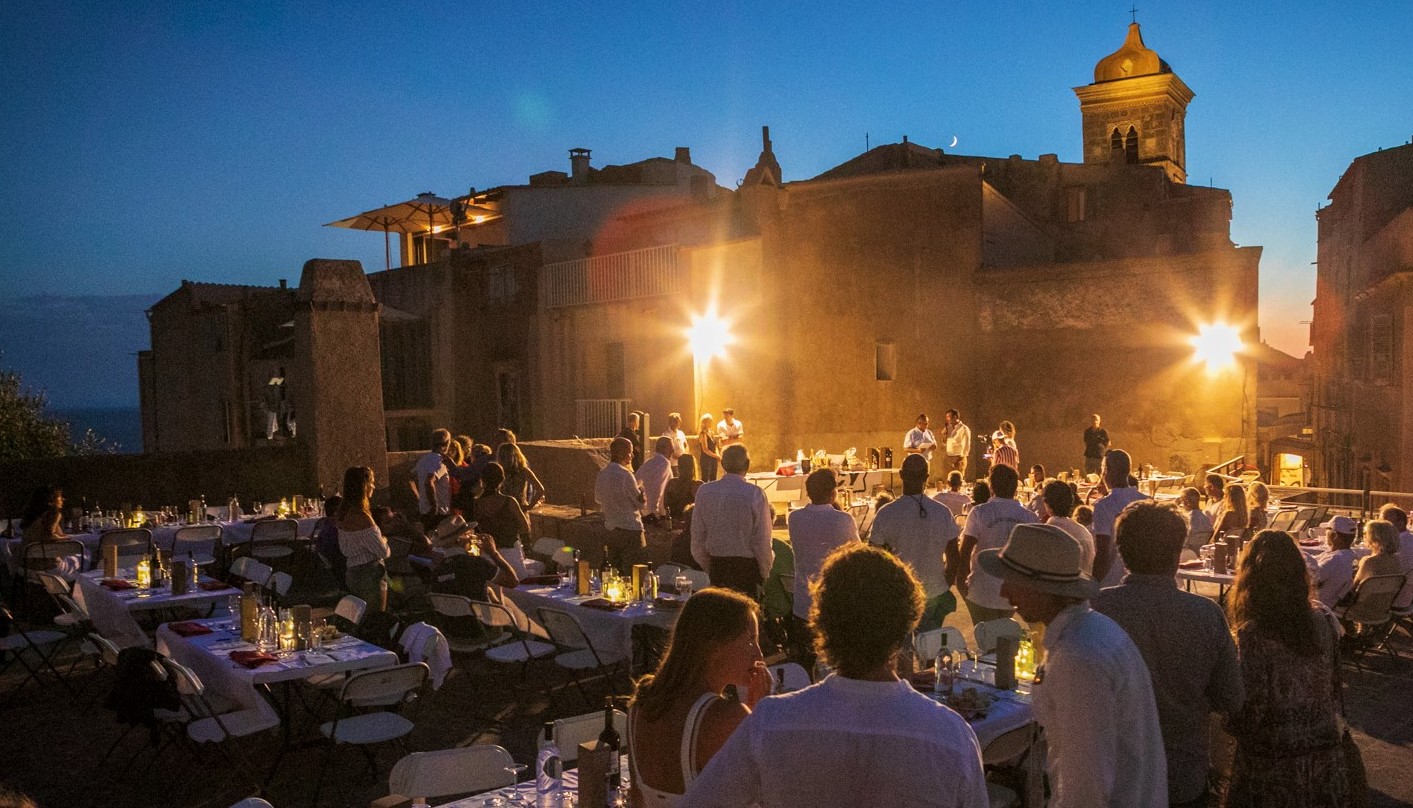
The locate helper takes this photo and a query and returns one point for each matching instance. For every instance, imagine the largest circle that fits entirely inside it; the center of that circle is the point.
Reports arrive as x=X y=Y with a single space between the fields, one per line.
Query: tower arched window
x=1131 y=146
x=1116 y=141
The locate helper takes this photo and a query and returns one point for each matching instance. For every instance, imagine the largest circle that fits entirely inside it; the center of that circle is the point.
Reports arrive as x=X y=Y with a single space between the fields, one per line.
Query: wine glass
x=684 y=585
x=511 y=795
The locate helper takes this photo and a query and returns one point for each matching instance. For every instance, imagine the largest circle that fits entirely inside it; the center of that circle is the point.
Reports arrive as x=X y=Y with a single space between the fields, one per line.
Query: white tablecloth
x=611 y=632
x=162 y=537
x=208 y=656
x=111 y=611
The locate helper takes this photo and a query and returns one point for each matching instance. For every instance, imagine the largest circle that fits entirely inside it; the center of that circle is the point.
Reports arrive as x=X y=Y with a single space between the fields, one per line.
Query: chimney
x=284 y=283
x=579 y=166
x=683 y=155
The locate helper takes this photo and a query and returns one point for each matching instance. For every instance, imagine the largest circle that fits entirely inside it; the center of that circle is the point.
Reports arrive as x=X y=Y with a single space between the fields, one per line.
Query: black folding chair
x=18 y=643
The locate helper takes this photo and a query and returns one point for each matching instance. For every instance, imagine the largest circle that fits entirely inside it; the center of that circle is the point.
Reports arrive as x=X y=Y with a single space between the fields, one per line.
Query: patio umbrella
x=425 y=214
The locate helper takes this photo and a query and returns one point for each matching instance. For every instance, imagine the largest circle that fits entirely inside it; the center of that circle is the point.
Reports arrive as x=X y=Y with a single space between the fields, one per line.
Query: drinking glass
x=1206 y=553
x=684 y=585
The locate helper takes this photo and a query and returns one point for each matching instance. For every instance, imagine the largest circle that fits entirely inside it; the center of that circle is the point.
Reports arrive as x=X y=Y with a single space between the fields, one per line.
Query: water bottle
x=548 y=774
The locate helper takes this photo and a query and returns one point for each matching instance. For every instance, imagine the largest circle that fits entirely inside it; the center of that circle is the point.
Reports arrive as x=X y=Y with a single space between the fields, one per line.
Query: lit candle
x=614 y=591
x=144 y=572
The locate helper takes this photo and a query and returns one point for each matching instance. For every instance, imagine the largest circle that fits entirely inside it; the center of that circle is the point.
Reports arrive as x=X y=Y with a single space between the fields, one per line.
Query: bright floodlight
x=1217 y=345
x=708 y=336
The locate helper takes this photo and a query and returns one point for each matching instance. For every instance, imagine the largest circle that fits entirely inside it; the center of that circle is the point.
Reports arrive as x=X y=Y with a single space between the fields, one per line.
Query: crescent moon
x=953 y=144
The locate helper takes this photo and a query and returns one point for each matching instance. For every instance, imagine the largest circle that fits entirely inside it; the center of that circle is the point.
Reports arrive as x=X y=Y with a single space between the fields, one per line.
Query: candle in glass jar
x=144 y=572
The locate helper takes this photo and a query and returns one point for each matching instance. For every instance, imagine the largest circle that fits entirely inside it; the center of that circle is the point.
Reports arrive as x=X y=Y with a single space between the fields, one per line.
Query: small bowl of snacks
x=971 y=703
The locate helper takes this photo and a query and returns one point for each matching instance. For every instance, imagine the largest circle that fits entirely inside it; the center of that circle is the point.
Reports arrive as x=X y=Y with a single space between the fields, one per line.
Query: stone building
x=1363 y=349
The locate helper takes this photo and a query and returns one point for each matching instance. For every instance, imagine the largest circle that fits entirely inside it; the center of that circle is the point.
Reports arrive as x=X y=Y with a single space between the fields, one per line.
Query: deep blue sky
x=148 y=142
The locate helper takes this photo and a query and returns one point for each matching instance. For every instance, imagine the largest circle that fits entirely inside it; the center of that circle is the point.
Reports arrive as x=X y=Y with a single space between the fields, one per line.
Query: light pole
x=708 y=336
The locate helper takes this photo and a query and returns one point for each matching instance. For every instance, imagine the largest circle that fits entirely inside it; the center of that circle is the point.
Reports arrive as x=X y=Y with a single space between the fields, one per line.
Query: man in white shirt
x=731 y=523
x=674 y=431
x=1093 y=694
x=729 y=430
x=653 y=476
x=1399 y=518
x=1334 y=575
x=958 y=442
x=861 y=737
x=433 y=482
x=1057 y=506
x=988 y=526
x=920 y=439
x=952 y=496
x=1199 y=524
x=1108 y=567
x=620 y=497
x=816 y=530
x=918 y=529
x=1215 y=487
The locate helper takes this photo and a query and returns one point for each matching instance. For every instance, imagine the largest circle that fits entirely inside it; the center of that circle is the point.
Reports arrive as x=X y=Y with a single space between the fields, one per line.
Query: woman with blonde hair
x=679 y=717
x=708 y=446
x=520 y=480
x=1258 y=498
x=1233 y=514
x=1382 y=538
x=1288 y=731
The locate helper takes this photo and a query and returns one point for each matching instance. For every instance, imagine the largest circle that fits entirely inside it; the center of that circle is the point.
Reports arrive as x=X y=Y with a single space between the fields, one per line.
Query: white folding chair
x=563 y=558
x=454 y=606
x=200 y=541
x=928 y=644
x=396 y=686
x=545 y=548
x=21 y=642
x=452 y=772
x=273 y=539
x=987 y=632
x=280 y=582
x=521 y=649
x=667 y=571
x=790 y=675
x=202 y=723
x=1005 y=750
x=577 y=652
x=248 y=569
x=568 y=733
x=252 y=802
x=47 y=557
x=132 y=541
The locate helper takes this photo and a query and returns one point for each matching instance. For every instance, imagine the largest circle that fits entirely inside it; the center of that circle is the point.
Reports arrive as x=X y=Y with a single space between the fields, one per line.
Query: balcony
x=651 y=272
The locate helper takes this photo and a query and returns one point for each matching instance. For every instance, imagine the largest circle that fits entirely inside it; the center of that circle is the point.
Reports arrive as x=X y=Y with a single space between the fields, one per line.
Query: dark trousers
x=619 y=542
x=735 y=572
x=708 y=469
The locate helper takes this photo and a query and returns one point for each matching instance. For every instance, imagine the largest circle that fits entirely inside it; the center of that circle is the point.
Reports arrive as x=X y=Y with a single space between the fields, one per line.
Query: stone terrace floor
x=52 y=746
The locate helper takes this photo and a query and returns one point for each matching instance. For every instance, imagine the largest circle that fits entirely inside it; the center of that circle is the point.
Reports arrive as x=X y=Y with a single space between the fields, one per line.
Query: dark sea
x=120 y=425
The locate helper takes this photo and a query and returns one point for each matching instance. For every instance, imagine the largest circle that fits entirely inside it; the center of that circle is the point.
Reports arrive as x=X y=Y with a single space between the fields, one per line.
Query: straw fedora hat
x=1042 y=557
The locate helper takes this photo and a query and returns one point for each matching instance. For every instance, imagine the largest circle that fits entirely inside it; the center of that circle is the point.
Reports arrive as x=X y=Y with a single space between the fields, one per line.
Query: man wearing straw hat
x=1093 y=694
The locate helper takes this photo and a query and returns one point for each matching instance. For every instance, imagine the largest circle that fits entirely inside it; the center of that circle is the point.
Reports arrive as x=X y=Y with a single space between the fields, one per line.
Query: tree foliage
x=27 y=433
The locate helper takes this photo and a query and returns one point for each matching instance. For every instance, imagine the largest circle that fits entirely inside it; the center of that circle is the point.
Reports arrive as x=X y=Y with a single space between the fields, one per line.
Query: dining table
x=609 y=629
x=114 y=603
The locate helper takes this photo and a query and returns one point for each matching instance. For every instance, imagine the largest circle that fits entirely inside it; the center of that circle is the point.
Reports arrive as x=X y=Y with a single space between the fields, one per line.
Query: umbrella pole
x=387 y=251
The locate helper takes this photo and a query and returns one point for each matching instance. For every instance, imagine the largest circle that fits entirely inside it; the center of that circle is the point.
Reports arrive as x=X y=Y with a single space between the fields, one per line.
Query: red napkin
x=1191 y=565
x=606 y=605
x=540 y=580
x=188 y=628
x=252 y=659
x=116 y=584
x=212 y=586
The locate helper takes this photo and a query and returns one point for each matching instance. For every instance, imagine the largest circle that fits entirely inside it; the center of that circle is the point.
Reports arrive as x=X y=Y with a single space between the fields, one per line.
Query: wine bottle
x=609 y=741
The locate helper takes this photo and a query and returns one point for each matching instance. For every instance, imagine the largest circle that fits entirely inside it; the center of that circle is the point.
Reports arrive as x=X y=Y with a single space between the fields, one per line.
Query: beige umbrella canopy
x=428 y=213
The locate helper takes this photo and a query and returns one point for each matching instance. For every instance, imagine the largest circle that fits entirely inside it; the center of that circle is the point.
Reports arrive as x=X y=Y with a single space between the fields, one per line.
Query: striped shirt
x=1006 y=455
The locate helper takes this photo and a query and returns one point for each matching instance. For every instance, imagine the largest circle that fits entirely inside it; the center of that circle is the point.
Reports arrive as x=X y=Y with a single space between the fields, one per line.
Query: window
x=1131 y=146
x=1381 y=349
x=500 y=284
x=885 y=361
x=617 y=382
x=407 y=364
x=1074 y=204
x=1116 y=141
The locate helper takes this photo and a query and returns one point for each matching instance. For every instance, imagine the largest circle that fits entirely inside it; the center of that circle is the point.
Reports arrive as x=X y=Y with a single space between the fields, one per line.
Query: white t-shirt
x=846 y=743
x=990 y=524
x=815 y=532
x=729 y=433
x=1082 y=536
x=1335 y=575
x=1199 y=529
x=432 y=463
x=919 y=540
x=1106 y=512
x=955 y=501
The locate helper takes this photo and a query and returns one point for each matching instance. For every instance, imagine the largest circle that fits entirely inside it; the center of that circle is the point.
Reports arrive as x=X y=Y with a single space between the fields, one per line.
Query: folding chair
x=198 y=541
x=563 y=558
x=667 y=571
x=568 y=733
x=132 y=541
x=1301 y=521
x=252 y=802
x=520 y=649
x=987 y=632
x=928 y=644
x=577 y=651
x=199 y=723
x=246 y=568
x=545 y=549
x=279 y=585
x=453 y=772
x=273 y=539
x=20 y=642
x=1369 y=616
x=395 y=686
x=790 y=676
x=1283 y=520
x=350 y=610
x=1004 y=751
x=44 y=557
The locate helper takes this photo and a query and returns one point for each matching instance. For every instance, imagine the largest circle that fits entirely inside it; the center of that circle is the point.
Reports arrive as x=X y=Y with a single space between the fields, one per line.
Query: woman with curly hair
x=679 y=717
x=1288 y=730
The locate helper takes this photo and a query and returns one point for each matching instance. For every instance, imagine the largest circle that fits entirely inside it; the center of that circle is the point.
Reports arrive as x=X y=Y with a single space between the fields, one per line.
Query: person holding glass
x=679 y=717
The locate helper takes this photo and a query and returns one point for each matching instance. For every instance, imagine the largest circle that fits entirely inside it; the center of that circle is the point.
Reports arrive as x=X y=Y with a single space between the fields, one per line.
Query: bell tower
x=1134 y=111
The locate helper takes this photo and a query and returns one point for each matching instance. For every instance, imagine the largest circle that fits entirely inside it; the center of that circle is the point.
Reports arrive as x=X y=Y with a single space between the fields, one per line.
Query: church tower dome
x=1135 y=111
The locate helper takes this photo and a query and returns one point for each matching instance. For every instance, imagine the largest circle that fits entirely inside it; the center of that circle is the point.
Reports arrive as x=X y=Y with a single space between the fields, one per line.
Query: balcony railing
x=599 y=417
x=621 y=276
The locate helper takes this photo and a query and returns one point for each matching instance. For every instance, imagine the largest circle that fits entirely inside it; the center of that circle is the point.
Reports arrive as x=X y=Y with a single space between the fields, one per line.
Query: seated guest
x=1334 y=573
x=678 y=717
x=1399 y=518
x=471 y=574
x=681 y=491
x=1234 y=513
x=1382 y=539
x=1095 y=700
x=980 y=494
x=952 y=497
x=816 y=530
x=862 y=736
x=502 y=517
x=361 y=542
x=1199 y=524
x=1287 y=732
x=1195 y=672
x=1084 y=517
x=1258 y=498
x=43 y=516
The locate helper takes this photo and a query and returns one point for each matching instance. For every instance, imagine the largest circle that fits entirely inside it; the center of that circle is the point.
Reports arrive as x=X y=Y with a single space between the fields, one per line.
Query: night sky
x=147 y=143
